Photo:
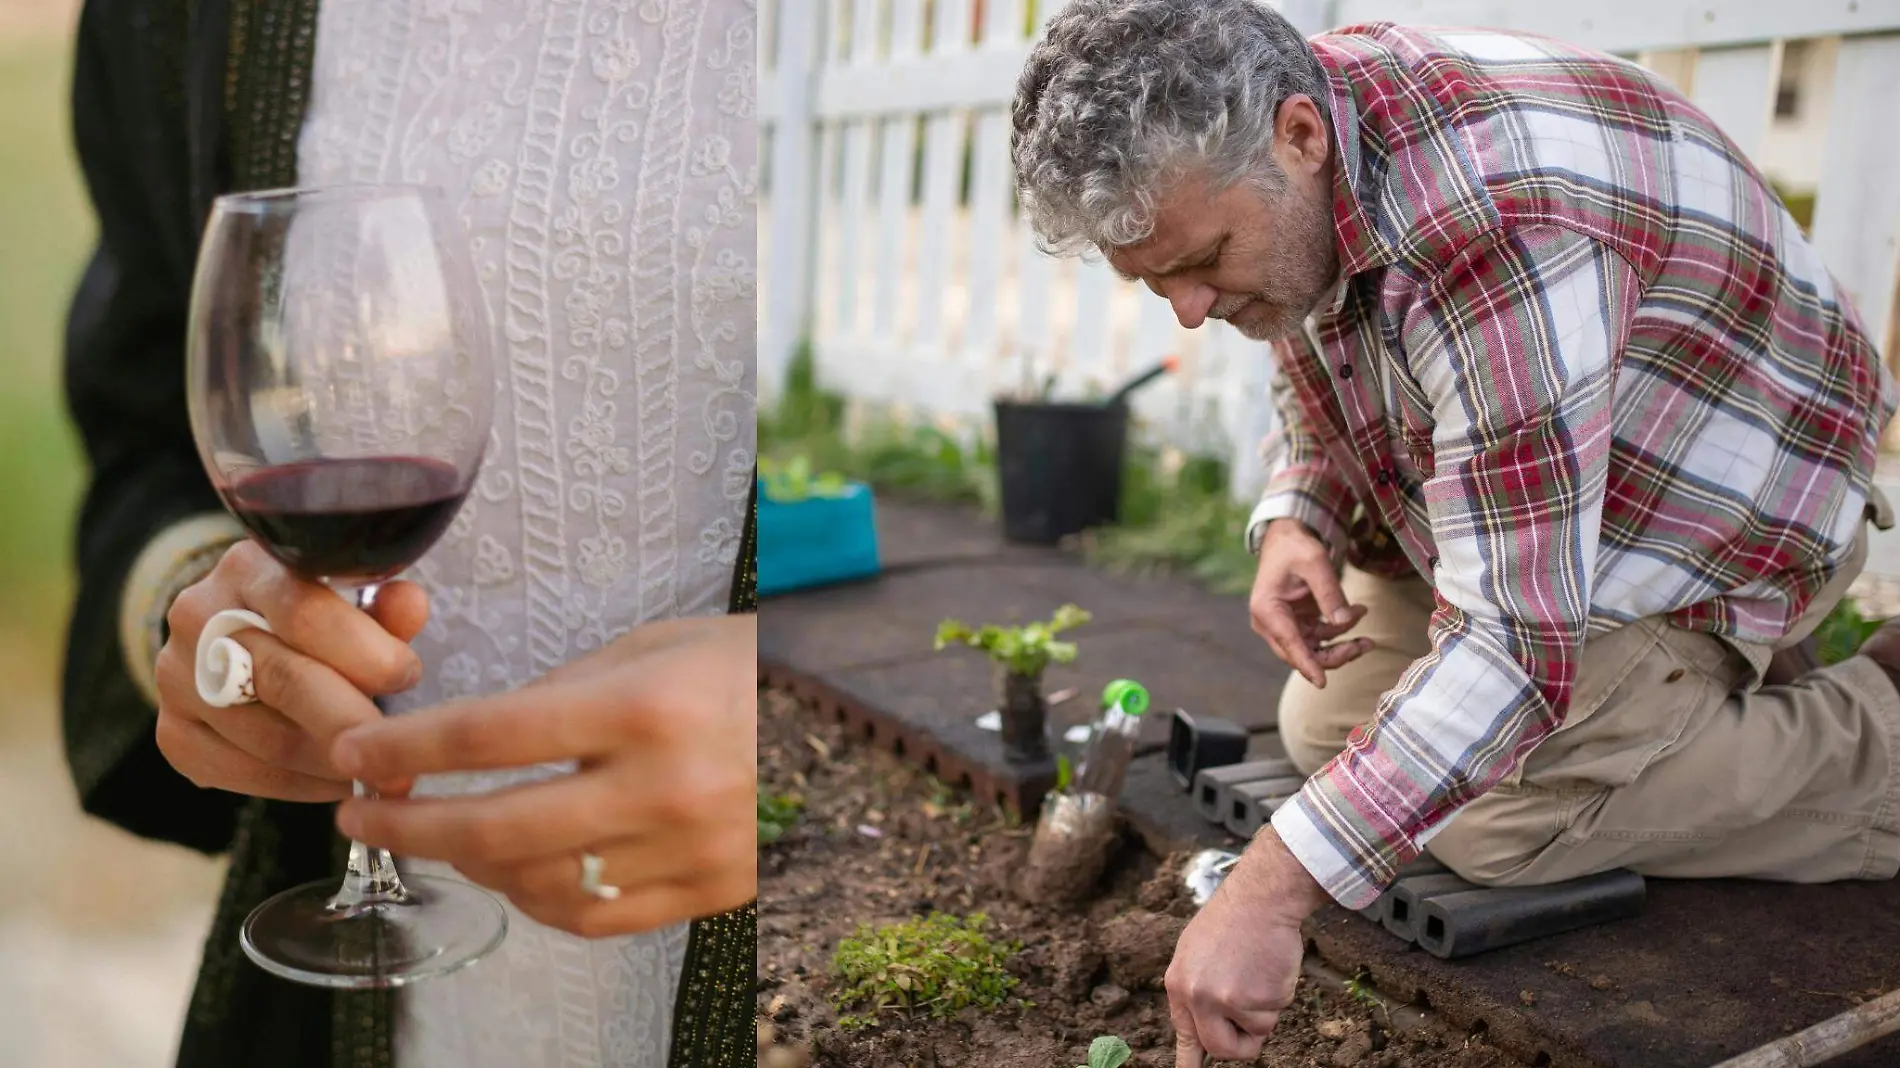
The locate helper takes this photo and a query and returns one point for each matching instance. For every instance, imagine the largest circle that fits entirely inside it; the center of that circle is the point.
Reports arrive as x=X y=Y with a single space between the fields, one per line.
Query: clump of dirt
x=1139 y=944
x=879 y=842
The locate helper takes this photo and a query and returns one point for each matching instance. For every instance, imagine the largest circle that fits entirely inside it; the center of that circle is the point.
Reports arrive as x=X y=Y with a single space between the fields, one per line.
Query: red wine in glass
x=340 y=382
x=355 y=520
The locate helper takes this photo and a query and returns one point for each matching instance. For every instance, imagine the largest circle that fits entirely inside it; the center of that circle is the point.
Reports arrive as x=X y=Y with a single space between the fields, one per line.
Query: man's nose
x=1192 y=301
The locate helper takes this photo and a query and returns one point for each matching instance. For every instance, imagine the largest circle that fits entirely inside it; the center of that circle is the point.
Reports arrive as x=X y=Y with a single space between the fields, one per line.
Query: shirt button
x=1384 y=477
x=1345 y=370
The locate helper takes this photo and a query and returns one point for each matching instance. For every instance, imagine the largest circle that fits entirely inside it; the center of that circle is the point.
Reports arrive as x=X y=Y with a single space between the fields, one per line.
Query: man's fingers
x=1222 y=1040
x=1291 y=647
x=1261 y=627
x=1254 y=1023
x=1318 y=575
x=1339 y=654
x=1318 y=630
x=1187 y=1052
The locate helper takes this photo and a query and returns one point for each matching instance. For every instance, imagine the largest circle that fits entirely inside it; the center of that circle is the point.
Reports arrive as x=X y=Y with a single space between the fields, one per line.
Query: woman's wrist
x=179 y=556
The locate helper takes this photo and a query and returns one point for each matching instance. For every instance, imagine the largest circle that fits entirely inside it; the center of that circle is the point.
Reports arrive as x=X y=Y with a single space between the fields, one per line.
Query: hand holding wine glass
x=341 y=389
x=316 y=672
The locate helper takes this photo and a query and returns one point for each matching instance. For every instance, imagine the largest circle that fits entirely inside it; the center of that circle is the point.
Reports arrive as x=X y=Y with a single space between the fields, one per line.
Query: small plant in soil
x=937 y=964
x=1359 y=988
x=777 y=813
x=1076 y=832
x=1021 y=654
x=1108 y=1051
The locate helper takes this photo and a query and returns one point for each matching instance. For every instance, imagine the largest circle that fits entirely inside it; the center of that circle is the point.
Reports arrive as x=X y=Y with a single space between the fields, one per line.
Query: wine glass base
x=443 y=925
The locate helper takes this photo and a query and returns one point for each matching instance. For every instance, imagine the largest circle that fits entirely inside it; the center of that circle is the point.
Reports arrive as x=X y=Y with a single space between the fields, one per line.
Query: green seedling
x=1065 y=772
x=795 y=482
x=937 y=964
x=1108 y=1051
x=1025 y=650
x=1359 y=989
x=777 y=813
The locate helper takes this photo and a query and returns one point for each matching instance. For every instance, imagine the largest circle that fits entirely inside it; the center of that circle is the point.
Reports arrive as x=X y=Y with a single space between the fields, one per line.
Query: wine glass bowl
x=340 y=386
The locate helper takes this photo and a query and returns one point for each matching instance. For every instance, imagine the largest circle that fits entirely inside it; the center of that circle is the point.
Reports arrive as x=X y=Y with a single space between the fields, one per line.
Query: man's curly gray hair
x=1121 y=96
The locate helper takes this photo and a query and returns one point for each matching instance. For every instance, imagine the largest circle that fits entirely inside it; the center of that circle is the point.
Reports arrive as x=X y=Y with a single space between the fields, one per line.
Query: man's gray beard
x=1277 y=326
x=1271 y=328
x=1228 y=306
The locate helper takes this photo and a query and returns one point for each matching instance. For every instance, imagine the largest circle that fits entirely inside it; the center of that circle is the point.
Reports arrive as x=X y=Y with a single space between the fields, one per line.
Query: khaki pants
x=1672 y=760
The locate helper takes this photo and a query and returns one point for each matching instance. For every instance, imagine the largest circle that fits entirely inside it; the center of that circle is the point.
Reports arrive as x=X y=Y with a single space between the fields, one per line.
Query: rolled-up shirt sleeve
x=1515 y=344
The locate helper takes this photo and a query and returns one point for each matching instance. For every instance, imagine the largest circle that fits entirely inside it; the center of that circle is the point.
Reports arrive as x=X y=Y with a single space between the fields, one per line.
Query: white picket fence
x=935 y=302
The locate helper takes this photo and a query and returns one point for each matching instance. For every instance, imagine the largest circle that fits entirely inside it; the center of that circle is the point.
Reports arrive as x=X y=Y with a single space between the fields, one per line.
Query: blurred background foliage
x=46 y=230
x=1177 y=514
x=99 y=931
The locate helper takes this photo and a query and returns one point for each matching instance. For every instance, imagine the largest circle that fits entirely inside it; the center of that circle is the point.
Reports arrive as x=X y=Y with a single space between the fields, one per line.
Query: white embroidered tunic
x=603 y=157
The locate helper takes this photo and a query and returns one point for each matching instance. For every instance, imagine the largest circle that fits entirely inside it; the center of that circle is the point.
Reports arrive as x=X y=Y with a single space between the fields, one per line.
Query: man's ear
x=1302 y=140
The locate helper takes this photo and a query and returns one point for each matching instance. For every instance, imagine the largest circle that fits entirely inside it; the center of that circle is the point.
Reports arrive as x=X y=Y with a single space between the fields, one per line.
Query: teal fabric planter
x=816 y=541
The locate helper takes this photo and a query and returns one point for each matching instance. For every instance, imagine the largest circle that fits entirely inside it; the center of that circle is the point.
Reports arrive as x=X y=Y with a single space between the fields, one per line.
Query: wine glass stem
x=371 y=877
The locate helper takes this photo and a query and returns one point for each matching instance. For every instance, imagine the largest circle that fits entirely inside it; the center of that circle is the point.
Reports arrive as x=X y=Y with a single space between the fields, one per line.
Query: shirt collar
x=1361 y=248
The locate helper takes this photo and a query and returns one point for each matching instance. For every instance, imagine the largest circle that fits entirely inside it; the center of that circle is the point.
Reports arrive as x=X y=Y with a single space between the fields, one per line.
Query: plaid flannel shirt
x=1585 y=369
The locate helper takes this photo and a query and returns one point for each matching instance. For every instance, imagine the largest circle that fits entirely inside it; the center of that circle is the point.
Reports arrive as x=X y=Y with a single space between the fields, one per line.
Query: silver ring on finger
x=592 y=866
x=224 y=670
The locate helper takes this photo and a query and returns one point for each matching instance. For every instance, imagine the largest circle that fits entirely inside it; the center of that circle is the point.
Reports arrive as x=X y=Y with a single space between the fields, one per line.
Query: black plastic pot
x=1195 y=745
x=1060 y=467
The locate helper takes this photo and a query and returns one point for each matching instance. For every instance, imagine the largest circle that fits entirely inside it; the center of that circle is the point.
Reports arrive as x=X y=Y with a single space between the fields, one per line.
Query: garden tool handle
x=1828 y=1039
x=1167 y=364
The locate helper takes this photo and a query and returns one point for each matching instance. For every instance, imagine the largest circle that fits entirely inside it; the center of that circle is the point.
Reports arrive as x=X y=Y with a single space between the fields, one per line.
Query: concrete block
x=1250 y=804
x=1473 y=921
x=1419 y=866
x=1401 y=902
x=1211 y=784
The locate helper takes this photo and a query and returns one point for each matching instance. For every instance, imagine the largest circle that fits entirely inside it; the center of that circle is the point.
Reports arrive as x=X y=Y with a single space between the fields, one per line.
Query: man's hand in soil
x=1297 y=604
x=1237 y=964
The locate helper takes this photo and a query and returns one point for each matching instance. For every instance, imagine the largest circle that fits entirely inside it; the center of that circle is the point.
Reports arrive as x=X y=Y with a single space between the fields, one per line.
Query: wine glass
x=340 y=388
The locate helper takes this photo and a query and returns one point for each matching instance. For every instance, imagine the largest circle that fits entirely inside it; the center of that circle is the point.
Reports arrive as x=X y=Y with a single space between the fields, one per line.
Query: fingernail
x=1342 y=615
x=412 y=676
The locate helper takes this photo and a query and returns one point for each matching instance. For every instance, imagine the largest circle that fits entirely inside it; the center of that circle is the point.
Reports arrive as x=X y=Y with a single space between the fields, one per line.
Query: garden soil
x=881 y=842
